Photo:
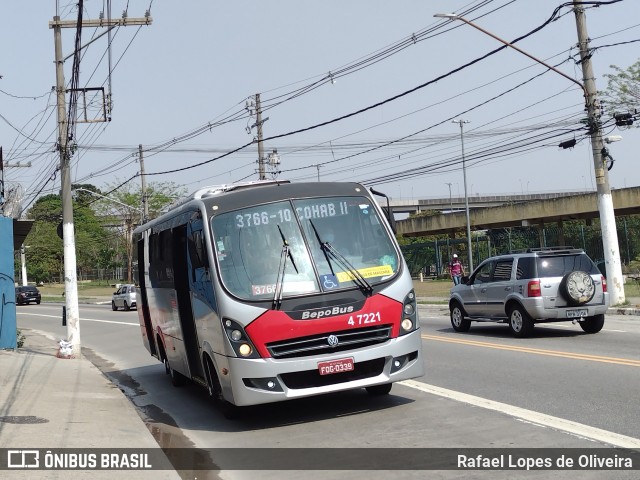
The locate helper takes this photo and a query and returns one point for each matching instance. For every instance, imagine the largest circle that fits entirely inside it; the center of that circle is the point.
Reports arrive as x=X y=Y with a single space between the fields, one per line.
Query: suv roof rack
x=556 y=249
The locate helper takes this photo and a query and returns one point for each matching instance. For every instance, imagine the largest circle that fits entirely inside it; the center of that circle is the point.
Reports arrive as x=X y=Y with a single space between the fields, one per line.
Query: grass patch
x=433 y=288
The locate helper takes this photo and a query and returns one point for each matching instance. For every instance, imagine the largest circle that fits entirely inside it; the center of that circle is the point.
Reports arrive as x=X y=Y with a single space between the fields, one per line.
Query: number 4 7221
x=364 y=318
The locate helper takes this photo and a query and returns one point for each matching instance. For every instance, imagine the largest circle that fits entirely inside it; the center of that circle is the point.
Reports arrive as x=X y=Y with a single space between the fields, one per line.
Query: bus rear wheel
x=177 y=379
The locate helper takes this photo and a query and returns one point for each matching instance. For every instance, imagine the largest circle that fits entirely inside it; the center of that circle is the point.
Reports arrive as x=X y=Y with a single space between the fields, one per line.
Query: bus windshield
x=333 y=243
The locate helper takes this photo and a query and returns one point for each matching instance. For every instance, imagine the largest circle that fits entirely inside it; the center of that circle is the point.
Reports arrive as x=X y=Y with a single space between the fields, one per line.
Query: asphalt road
x=577 y=391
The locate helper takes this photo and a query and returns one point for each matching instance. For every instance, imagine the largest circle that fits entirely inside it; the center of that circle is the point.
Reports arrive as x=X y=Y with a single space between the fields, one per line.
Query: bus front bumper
x=265 y=380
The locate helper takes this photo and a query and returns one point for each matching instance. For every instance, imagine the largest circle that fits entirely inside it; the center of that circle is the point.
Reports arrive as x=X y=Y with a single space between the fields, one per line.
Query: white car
x=124 y=297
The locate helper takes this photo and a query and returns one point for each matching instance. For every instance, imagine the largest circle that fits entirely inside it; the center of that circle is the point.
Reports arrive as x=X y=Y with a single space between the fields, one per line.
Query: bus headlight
x=239 y=340
x=407 y=325
x=409 y=321
x=245 y=349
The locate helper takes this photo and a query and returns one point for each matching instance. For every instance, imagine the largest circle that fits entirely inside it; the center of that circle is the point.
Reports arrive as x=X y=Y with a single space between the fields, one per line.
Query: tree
x=45 y=257
x=623 y=89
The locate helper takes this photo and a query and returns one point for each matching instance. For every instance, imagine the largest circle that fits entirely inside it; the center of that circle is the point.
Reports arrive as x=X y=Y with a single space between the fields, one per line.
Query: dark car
x=26 y=295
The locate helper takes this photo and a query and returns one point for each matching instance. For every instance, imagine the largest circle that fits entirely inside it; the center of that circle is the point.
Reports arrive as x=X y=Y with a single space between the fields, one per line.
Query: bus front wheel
x=214 y=389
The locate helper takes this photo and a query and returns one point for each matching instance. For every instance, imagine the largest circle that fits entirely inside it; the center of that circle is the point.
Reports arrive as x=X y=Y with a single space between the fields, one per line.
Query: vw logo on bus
x=333 y=341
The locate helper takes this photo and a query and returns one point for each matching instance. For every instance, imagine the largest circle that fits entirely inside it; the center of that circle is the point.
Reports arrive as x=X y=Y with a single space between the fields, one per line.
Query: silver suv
x=532 y=286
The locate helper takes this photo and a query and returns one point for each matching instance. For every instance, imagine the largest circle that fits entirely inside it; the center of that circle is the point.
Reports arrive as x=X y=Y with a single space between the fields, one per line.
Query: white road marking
x=82 y=319
x=550 y=421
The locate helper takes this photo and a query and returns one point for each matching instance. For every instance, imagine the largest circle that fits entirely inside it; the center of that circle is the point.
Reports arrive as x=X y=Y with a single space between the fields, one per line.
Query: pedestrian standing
x=456 y=270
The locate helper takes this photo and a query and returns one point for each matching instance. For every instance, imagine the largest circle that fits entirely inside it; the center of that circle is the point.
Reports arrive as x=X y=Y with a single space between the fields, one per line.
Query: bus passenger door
x=203 y=301
x=182 y=288
x=144 y=317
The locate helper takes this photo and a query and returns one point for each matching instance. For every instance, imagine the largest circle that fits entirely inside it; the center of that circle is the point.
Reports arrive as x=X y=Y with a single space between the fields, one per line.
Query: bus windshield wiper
x=285 y=253
x=356 y=276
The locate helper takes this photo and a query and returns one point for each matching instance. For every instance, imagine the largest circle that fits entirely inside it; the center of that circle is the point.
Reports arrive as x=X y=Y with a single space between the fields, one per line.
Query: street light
x=605 y=201
x=466 y=197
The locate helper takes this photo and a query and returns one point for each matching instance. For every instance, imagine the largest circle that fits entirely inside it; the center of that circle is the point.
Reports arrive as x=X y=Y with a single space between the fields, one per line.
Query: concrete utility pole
x=466 y=197
x=260 y=145
x=143 y=180
x=605 y=202
x=23 y=263
x=68 y=234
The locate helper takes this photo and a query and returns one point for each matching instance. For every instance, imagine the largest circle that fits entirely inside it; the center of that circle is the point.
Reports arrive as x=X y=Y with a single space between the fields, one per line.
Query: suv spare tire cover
x=577 y=287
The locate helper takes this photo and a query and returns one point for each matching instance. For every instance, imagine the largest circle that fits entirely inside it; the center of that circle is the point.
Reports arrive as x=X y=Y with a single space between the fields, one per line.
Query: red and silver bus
x=268 y=291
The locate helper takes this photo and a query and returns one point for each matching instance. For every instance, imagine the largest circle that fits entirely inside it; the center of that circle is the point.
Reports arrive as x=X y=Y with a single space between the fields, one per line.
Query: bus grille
x=312 y=378
x=319 y=344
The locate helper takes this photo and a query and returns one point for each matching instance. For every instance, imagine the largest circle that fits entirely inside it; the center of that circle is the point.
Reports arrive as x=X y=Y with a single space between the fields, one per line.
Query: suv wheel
x=577 y=287
x=113 y=306
x=520 y=323
x=592 y=324
x=458 y=322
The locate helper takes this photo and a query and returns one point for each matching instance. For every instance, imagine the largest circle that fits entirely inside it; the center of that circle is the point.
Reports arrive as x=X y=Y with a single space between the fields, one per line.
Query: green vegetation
x=103 y=227
x=623 y=89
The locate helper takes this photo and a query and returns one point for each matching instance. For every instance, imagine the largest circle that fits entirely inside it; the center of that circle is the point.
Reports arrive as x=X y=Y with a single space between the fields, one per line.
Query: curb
x=635 y=311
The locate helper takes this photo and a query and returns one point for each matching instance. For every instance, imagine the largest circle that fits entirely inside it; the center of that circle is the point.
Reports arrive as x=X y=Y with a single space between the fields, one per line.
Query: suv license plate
x=577 y=313
x=336 y=366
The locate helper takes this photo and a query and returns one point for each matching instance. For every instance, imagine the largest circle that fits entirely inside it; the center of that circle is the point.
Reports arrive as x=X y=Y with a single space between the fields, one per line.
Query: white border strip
x=550 y=421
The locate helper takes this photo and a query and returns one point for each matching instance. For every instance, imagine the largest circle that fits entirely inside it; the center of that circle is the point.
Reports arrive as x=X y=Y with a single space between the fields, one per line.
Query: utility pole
x=260 y=146
x=610 y=243
x=68 y=234
x=466 y=197
x=143 y=180
x=23 y=263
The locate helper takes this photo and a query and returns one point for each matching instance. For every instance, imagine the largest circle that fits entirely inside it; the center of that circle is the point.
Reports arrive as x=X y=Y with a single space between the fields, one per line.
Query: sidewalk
x=48 y=402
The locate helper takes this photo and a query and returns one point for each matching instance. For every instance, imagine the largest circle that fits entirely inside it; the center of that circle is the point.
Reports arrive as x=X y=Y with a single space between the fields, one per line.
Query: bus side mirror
x=390 y=218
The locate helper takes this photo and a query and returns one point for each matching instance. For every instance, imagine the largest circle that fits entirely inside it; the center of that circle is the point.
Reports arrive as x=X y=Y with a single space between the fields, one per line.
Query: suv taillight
x=533 y=289
x=604 y=284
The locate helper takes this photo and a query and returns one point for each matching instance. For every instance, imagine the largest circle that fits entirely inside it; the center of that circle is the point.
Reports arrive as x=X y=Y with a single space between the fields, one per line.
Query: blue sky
x=200 y=61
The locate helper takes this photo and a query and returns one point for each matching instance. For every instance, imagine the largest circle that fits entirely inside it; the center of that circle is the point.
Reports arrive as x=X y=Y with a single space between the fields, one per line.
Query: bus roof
x=244 y=193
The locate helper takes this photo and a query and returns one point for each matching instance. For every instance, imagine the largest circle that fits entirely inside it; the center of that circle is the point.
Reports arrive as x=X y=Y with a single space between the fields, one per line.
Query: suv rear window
x=559 y=266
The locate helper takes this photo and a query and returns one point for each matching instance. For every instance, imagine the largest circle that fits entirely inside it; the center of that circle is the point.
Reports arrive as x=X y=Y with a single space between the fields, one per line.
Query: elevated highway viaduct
x=514 y=212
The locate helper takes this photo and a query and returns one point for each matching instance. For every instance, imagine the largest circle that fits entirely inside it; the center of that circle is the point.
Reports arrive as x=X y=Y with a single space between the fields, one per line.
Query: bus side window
x=196 y=250
x=153 y=259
